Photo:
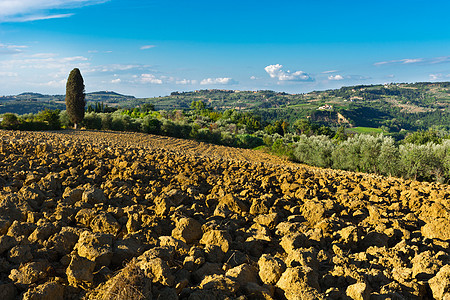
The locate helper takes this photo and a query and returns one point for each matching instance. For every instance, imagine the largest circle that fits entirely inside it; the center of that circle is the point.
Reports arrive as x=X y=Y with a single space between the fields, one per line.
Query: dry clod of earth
x=103 y=215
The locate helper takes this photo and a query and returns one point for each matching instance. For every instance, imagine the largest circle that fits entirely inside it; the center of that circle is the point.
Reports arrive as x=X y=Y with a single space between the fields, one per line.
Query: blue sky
x=153 y=47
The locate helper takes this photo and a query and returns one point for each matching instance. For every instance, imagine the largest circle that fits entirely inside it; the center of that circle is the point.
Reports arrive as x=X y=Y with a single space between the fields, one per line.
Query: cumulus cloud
x=222 y=81
x=335 y=77
x=32 y=10
x=150 y=78
x=275 y=71
x=439 y=76
x=339 y=77
x=115 y=81
x=145 y=47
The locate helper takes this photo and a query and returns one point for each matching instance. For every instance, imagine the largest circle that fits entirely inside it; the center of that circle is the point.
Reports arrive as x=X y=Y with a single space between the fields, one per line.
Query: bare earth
x=105 y=215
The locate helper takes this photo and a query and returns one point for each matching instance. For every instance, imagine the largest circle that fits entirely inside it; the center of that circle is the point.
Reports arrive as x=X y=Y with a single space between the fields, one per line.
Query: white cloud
x=253 y=78
x=330 y=71
x=436 y=76
x=223 y=81
x=56 y=83
x=400 y=61
x=32 y=10
x=150 y=78
x=44 y=55
x=335 y=77
x=11 y=49
x=45 y=62
x=8 y=74
x=439 y=76
x=147 y=47
x=112 y=68
x=339 y=77
x=440 y=60
x=275 y=71
x=186 y=82
x=423 y=61
x=41 y=70
x=115 y=81
x=38 y=17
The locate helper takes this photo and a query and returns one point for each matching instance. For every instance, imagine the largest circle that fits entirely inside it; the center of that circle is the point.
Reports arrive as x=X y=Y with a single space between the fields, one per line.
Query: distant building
x=326 y=107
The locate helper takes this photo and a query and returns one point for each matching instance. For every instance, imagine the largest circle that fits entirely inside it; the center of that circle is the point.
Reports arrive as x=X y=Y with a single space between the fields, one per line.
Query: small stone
x=440 y=284
x=292 y=241
x=79 y=272
x=219 y=238
x=219 y=283
x=358 y=291
x=96 y=247
x=270 y=269
x=29 y=273
x=243 y=274
x=46 y=291
x=93 y=196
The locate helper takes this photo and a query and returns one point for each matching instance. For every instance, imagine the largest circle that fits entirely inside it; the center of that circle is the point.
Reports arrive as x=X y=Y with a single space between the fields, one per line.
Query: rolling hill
x=394 y=106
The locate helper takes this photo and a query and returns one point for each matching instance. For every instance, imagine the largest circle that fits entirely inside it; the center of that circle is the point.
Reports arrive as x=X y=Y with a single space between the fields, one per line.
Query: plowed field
x=105 y=215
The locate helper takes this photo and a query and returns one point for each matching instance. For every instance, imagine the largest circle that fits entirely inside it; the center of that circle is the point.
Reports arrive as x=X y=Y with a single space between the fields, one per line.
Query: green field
x=366 y=130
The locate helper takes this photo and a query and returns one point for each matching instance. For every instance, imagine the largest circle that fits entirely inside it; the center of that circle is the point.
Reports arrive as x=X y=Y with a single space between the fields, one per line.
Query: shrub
x=64 y=119
x=388 y=160
x=425 y=162
x=10 y=121
x=417 y=161
x=121 y=122
x=92 y=120
x=151 y=125
x=248 y=141
x=314 y=150
x=180 y=130
x=227 y=139
x=361 y=153
x=423 y=137
x=106 y=121
x=50 y=118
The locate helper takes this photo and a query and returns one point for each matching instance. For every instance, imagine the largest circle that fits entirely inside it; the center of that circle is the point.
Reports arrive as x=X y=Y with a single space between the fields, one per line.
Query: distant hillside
x=391 y=106
x=33 y=102
x=394 y=106
x=107 y=97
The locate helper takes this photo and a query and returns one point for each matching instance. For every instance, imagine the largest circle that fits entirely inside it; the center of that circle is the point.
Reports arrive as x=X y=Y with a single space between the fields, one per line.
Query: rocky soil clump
x=92 y=217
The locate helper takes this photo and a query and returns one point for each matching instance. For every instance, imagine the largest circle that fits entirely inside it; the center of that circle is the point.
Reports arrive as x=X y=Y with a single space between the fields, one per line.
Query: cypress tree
x=75 y=97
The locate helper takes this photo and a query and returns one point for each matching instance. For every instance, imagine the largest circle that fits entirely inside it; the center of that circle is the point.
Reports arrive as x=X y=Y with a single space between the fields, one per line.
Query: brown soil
x=105 y=215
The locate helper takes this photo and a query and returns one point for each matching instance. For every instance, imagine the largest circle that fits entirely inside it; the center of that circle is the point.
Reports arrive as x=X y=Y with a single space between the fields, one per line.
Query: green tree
x=50 y=117
x=10 y=121
x=198 y=106
x=75 y=101
x=423 y=137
